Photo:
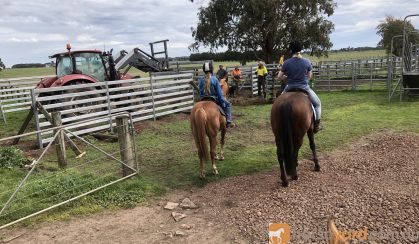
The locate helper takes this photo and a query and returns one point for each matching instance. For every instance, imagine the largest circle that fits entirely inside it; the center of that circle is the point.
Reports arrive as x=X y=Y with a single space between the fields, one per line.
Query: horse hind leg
x=310 y=135
x=284 y=178
x=201 y=168
x=213 y=148
x=295 y=174
x=222 y=141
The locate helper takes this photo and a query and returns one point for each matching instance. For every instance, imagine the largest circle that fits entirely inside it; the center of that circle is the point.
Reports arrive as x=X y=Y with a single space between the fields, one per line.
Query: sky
x=30 y=31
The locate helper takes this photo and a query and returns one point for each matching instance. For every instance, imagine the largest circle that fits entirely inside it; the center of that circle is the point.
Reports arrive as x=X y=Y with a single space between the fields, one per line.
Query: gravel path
x=373 y=183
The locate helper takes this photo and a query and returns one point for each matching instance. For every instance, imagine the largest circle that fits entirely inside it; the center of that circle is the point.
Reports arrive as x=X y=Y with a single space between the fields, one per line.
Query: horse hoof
x=285 y=183
x=215 y=172
x=222 y=158
x=202 y=176
x=216 y=157
x=317 y=168
x=295 y=177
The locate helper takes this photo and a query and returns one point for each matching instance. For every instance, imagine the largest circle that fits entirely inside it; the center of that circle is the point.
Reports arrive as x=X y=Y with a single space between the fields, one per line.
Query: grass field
x=169 y=159
x=12 y=73
x=352 y=55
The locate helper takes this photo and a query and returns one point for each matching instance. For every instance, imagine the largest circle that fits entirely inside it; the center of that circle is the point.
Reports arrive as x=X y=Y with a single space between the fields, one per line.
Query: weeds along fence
x=31 y=187
x=15 y=94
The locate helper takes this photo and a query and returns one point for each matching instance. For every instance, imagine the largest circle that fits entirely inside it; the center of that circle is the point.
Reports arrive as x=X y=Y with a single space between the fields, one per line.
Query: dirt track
x=374 y=183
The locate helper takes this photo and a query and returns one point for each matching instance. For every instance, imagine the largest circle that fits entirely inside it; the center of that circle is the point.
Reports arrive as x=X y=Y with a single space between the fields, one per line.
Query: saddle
x=298 y=90
x=305 y=93
x=212 y=99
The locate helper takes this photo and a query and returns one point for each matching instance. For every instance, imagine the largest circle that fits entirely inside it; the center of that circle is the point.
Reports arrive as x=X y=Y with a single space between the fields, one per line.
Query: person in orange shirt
x=237 y=76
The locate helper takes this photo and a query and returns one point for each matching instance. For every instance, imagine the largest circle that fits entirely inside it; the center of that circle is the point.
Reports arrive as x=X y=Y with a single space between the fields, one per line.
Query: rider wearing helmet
x=298 y=71
x=210 y=87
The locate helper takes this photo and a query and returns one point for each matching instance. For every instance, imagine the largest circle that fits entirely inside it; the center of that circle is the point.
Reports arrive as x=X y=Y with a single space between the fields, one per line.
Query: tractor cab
x=89 y=63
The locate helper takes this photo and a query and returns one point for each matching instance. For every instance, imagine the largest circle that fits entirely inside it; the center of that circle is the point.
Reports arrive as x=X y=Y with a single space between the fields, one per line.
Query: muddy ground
x=373 y=183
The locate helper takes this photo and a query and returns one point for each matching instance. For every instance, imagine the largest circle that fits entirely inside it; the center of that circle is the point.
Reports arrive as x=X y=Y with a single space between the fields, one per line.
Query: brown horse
x=291 y=118
x=206 y=120
x=224 y=87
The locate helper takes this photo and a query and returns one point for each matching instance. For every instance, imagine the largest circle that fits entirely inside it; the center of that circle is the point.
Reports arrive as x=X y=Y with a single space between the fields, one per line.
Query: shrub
x=11 y=157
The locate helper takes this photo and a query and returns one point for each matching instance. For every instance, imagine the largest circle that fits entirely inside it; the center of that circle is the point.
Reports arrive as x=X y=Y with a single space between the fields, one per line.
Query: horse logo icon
x=279 y=233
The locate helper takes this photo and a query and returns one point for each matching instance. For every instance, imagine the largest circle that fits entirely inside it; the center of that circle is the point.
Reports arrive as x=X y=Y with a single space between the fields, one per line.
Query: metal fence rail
x=145 y=98
x=15 y=94
x=357 y=74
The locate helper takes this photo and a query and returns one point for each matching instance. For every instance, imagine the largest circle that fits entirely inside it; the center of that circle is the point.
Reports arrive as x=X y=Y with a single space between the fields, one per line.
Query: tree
x=267 y=25
x=2 y=66
x=392 y=27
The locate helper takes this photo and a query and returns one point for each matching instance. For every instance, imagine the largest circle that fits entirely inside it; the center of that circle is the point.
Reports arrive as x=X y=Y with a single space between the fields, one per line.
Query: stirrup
x=230 y=125
x=317 y=127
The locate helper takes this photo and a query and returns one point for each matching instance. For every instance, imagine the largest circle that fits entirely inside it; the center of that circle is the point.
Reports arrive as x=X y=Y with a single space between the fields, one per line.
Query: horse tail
x=287 y=137
x=200 y=124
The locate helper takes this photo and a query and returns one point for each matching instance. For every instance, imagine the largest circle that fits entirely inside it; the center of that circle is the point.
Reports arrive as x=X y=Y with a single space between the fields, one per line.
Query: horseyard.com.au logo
x=279 y=233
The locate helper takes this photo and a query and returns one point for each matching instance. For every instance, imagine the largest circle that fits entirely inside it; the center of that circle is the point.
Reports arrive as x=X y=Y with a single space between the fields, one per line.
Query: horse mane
x=287 y=141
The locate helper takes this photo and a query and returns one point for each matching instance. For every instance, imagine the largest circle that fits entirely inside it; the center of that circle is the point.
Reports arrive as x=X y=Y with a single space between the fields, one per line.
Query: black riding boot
x=317 y=126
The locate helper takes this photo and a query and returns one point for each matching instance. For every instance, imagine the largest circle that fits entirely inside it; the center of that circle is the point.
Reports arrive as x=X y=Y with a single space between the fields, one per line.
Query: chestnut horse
x=224 y=87
x=291 y=118
x=206 y=120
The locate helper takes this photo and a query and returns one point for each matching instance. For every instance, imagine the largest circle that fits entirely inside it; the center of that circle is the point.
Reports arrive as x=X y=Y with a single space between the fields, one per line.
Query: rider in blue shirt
x=210 y=87
x=298 y=71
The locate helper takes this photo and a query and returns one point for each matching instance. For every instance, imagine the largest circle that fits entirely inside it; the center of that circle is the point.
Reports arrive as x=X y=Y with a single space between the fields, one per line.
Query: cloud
x=92 y=24
x=85 y=38
x=30 y=31
x=356 y=21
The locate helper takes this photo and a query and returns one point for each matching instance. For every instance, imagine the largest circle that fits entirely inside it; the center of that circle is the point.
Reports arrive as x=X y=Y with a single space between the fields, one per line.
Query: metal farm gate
x=52 y=180
x=88 y=108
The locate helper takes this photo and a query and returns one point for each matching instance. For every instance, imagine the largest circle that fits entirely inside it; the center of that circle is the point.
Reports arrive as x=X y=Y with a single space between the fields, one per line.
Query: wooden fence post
x=328 y=76
x=60 y=139
x=126 y=146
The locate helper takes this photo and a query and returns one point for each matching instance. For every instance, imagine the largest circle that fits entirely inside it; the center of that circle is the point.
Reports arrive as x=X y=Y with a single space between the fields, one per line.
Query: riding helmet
x=207 y=67
x=295 y=47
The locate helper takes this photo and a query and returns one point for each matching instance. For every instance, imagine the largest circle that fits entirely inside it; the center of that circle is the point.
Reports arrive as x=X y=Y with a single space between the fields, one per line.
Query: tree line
x=244 y=57
x=2 y=66
x=28 y=65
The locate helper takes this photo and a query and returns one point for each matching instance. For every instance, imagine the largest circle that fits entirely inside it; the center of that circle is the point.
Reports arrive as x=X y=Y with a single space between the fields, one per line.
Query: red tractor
x=78 y=67
x=93 y=66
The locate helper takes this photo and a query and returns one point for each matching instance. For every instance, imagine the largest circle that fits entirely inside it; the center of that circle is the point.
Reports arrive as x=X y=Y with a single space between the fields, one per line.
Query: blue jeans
x=227 y=109
x=314 y=99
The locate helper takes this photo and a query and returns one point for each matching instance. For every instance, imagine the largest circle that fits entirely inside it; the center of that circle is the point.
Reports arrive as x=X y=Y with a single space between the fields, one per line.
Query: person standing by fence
x=261 y=72
x=284 y=81
x=237 y=76
x=221 y=73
